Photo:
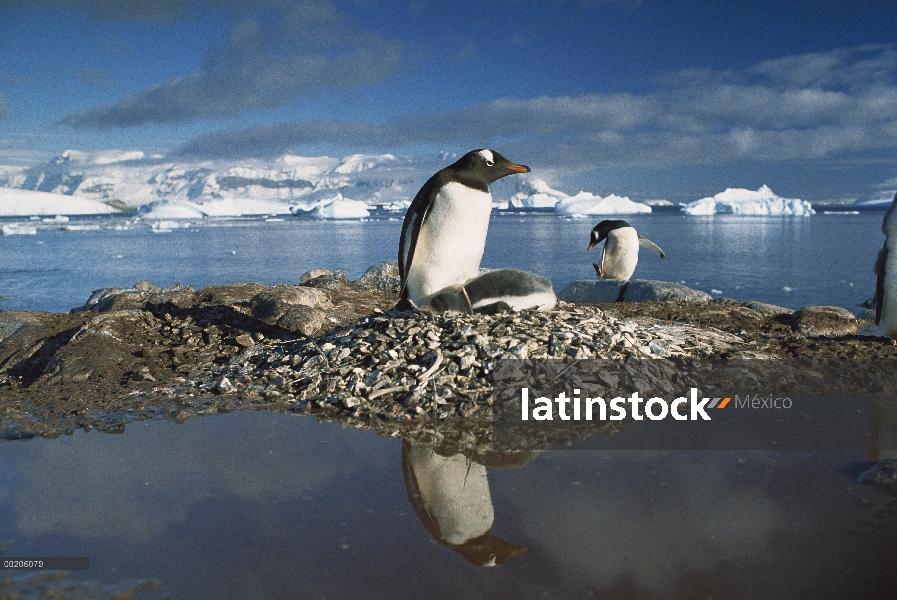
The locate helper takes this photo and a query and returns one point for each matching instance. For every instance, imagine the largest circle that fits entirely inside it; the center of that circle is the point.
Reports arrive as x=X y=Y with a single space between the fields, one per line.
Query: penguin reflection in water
x=450 y=495
x=886 y=275
x=444 y=232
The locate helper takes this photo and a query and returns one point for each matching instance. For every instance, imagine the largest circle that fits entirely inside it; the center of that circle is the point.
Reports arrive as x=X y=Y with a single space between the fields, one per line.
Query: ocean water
x=790 y=261
x=265 y=505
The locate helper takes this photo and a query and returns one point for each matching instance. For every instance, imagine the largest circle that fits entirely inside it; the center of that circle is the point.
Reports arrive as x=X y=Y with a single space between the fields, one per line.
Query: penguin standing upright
x=886 y=275
x=444 y=232
x=620 y=253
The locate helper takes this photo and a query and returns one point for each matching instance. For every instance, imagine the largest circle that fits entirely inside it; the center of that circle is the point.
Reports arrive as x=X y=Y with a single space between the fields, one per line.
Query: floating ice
x=19 y=229
x=170 y=210
x=336 y=208
x=22 y=203
x=739 y=201
x=585 y=203
x=56 y=219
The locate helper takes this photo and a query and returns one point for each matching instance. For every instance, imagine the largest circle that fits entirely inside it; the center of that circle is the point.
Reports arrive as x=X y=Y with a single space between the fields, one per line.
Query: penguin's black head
x=600 y=231
x=485 y=166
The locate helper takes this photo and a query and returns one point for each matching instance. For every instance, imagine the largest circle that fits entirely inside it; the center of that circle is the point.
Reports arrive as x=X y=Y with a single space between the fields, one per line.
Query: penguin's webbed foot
x=404 y=306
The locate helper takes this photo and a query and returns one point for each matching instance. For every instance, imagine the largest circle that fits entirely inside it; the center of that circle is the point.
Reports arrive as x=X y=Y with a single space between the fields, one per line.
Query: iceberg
x=19 y=229
x=535 y=193
x=170 y=210
x=23 y=203
x=739 y=201
x=585 y=203
x=336 y=207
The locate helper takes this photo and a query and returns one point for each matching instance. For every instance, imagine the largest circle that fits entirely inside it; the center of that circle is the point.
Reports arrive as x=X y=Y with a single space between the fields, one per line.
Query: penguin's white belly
x=888 y=321
x=455 y=491
x=620 y=253
x=451 y=241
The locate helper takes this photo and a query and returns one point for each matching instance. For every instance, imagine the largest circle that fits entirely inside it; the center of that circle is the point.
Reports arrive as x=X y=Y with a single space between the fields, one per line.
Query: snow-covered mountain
x=163 y=188
x=128 y=180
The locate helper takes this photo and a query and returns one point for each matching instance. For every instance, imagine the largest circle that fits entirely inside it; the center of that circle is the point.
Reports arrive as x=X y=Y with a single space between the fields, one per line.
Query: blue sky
x=650 y=98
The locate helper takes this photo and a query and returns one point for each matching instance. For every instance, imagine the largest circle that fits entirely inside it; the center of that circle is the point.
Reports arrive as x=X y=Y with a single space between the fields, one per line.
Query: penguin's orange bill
x=517 y=168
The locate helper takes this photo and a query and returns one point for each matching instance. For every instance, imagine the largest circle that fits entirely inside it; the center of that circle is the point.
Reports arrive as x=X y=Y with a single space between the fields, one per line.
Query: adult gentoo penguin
x=886 y=275
x=444 y=233
x=620 y=253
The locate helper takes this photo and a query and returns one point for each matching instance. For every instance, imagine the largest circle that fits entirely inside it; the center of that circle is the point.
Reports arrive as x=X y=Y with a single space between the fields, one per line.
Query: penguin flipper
x=598 y=271
x=646 y=243
x=880 y=282
x=414 y=220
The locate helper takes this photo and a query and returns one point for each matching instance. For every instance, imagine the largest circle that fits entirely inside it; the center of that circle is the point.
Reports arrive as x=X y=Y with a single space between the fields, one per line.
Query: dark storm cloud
x=810 y=106
x=324 y=52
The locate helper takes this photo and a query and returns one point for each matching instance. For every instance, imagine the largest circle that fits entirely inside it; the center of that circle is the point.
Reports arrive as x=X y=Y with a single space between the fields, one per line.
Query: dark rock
x=145 y=286
x=315 y=273
x=178 y=296
x=770 y=310
x=382 y=276
x=824 y=321
x=649 y=290
x=245 y=340
x=333 y=281
x=271 y=304
x=302 y=318
x=598 y=291
x=13 y=320
x=231 y=294
x=881 y=473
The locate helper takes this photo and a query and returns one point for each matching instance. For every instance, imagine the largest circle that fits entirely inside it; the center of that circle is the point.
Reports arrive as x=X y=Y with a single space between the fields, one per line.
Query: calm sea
x=790 y=261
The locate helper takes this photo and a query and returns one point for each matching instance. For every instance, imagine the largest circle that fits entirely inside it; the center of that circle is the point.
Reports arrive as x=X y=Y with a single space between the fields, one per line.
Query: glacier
x=23 y=203
x=111 y=181
x=740 y=201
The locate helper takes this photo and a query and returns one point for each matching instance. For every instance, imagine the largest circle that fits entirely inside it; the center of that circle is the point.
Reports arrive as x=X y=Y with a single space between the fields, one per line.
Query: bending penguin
x=620 y=253
x=450 y=495
x=886 y=275
x=496 y=291
x=444 y=232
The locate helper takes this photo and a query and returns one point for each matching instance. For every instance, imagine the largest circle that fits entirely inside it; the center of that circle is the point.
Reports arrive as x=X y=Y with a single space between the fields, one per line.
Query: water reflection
x=262 y=505
x=450 y=495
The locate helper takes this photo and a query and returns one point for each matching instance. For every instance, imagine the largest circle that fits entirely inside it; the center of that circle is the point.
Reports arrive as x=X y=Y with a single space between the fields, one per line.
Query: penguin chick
x=444 y=231
x=620 y=254
x=496 y=291
x=886 y=275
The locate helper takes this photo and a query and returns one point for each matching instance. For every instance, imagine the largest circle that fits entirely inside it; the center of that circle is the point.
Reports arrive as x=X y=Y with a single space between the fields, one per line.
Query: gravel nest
x=425 y=366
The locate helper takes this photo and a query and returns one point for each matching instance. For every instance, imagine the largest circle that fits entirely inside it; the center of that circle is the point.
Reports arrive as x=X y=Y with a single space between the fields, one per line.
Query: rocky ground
x=333 y=348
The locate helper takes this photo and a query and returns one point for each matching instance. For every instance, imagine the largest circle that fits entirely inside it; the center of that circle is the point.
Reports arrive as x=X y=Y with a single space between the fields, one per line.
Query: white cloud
x=811 y=106
x=325 y=52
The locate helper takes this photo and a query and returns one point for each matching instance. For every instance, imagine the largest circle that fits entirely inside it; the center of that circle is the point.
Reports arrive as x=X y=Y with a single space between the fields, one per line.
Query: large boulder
x=600 y=291
x=593 y=291
x=824 y=321
x=649 y=290
x=382 y=276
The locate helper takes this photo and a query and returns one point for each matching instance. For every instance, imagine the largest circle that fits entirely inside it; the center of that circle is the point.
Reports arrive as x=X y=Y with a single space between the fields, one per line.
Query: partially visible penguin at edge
x=886 y=276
